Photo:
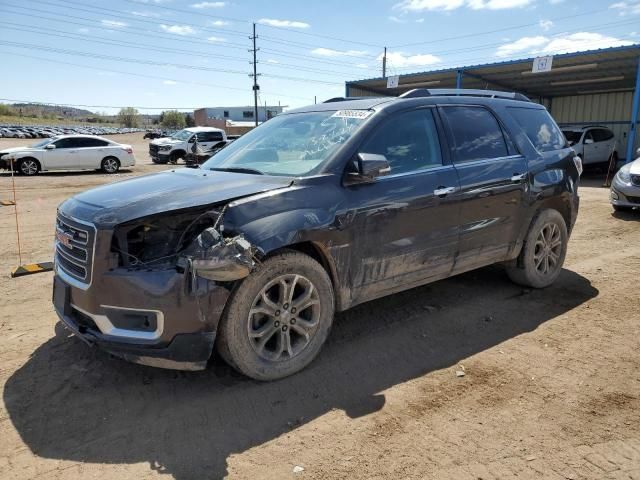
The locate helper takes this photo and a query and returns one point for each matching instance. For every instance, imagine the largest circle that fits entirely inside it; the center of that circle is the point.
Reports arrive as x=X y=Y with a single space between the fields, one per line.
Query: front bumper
x=146 y=317
x=624 y=195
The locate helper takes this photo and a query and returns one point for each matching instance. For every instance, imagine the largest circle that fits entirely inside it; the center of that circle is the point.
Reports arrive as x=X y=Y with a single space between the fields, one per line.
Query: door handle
x=443 y=191
x=517 y=177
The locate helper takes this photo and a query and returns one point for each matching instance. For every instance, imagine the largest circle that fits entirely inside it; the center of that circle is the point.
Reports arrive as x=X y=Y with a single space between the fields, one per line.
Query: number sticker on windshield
x=361 y=114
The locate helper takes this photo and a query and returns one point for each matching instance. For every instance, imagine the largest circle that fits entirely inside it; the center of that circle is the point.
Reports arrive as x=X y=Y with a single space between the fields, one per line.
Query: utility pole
x=255 y=74
x=384 y=63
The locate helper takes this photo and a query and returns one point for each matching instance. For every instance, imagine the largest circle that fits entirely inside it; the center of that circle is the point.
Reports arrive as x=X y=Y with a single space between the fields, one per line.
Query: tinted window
x=476 y=134
x=91 y=142
x=408 y=140
x=68 y=143
x=209 y=136
x=540 y=128
x=602 y=135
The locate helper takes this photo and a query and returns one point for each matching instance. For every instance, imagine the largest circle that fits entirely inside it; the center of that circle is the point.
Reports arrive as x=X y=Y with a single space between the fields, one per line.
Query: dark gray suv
x=315 y=211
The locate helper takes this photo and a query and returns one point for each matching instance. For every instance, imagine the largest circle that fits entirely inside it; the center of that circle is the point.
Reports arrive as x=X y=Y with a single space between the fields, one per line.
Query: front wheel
x=28 y=166
x=543 y=253
x=278 y=318
x=110 y=165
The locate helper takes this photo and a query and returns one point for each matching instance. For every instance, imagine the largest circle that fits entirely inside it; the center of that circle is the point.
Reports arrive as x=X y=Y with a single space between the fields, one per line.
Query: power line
x=147 y=47
x=171 y=37
x=154 y=77
x=36 y=103
x=498 y=30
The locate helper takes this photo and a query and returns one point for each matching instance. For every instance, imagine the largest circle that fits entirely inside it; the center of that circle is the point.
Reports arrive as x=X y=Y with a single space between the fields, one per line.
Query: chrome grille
x=74 y=248
x=153 y=150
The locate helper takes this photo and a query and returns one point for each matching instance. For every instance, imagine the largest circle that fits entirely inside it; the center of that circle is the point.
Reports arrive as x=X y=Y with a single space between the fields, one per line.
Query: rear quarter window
x=539 y=127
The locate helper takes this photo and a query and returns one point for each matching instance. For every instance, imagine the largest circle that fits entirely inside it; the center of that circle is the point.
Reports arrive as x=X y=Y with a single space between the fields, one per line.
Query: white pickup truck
x=175 y=147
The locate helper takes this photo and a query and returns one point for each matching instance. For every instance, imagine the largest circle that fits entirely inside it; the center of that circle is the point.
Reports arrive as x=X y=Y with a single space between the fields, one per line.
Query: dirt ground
x=551 y=386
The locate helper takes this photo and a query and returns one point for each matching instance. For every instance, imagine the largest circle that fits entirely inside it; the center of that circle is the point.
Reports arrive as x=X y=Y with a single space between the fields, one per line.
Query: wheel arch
x=29 y=157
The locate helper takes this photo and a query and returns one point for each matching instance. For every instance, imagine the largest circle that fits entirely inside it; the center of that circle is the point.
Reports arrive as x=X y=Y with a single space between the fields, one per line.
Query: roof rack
x=344 y=99
x=462 y=92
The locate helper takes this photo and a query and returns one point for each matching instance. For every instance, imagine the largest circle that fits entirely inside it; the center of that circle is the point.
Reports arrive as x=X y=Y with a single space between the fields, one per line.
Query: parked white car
x=625 y=188
x=594 y=144
x=69 y=152
x=171 y=149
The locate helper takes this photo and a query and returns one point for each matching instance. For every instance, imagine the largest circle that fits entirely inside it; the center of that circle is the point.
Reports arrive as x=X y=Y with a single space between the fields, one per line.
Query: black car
x=315 y=211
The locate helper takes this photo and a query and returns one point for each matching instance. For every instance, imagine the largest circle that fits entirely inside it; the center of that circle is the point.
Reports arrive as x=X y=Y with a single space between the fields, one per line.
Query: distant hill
x=58 y=111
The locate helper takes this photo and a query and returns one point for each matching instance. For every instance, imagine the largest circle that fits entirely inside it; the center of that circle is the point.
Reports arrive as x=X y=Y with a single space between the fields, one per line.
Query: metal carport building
x=595 y=87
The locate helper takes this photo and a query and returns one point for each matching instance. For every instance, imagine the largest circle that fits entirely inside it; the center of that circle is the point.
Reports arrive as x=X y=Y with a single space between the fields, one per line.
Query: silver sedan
x=625 y=188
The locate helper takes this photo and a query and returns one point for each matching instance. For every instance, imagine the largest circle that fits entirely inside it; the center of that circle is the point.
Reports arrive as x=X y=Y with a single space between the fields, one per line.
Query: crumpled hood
x=121 y=202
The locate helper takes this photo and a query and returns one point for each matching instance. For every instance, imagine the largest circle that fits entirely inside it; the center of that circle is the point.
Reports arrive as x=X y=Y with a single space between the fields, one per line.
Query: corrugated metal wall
x=357 y=92
x=612 y=110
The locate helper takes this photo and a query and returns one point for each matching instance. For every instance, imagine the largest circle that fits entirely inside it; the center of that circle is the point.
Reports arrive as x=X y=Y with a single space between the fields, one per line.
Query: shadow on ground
x=73 y=403
x=68 y=173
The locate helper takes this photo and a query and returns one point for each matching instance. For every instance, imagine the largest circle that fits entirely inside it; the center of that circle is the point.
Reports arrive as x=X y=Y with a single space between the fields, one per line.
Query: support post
x=631 y=138
x=384 y=63
x=256 y=87
x=459 y=78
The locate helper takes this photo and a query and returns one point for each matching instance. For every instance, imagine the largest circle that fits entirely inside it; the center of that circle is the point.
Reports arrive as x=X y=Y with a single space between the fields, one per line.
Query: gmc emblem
x=64 y=238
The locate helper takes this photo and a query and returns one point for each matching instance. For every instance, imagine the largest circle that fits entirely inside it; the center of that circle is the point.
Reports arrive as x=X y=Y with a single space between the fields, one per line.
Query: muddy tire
x=540 y=261
x=278 y=318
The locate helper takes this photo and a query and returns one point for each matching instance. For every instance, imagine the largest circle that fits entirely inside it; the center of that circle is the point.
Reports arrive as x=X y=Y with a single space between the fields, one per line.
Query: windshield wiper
x=237 y=170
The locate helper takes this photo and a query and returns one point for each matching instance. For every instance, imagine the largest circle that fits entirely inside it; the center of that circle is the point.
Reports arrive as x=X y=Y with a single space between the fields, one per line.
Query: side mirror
x=51 y=146
x=588 y=141
x=368 y=167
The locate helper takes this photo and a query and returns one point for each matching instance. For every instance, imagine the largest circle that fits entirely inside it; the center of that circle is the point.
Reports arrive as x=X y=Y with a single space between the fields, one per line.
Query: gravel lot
x=551 y=386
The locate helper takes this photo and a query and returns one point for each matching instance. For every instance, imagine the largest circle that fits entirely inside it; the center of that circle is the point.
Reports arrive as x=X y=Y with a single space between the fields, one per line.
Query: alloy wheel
x=29 y=167
x=548 y=248
x=111 y=165
x=284 y=317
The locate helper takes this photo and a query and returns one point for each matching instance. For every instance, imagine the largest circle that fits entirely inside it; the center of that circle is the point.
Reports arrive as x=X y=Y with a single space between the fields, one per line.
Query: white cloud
x=170 y=82
x=546 y=25
x=445 y=5
x=178 y=29
x=627 y=8
x=329 y=52
x=524 y=44
x=208 y=5
x=272 y=22
x=583 y=41
x=420 y=20
x=271 y=60
x=395 y=19
x=83 y=30
x=401 y=59
x=216 y=39
x=497 y=4
x=144 y=13
x=113 y=24
x=574 y=42
x=220 y=23
x=361 y=65
x=421 y=5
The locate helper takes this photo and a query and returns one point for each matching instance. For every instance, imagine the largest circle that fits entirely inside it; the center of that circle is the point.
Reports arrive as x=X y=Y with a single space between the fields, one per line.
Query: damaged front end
x=195 y=243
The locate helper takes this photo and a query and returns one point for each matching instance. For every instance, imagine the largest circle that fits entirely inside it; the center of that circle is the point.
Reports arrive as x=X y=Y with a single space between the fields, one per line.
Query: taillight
x=129 y=150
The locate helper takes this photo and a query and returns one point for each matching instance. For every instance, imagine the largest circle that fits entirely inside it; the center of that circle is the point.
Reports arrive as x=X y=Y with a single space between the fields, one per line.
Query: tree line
x=130 y=117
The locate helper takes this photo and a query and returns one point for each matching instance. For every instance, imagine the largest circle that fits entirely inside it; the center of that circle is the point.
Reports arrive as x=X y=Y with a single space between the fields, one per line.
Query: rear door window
x=476 y=134
x=601 y=134
x=539 y=128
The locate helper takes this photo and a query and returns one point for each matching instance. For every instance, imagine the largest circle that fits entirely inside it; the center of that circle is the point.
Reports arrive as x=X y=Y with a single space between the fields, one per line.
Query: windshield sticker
x=361 y=114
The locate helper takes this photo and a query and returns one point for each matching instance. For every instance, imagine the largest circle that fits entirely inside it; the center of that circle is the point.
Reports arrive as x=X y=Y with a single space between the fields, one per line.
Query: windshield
x=42 y=143
x=182 y=135
x=290 y=145
x=572 y=136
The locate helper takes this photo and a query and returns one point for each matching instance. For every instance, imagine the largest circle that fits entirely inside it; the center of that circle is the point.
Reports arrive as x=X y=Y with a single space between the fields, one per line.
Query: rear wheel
x=28 y=166
x=110 y=165
x=175 y=156
x=543 y=253
x=278 y=318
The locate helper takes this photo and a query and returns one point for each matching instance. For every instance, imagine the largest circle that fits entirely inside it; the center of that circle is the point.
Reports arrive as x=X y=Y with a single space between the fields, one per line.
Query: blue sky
x=190 y=53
